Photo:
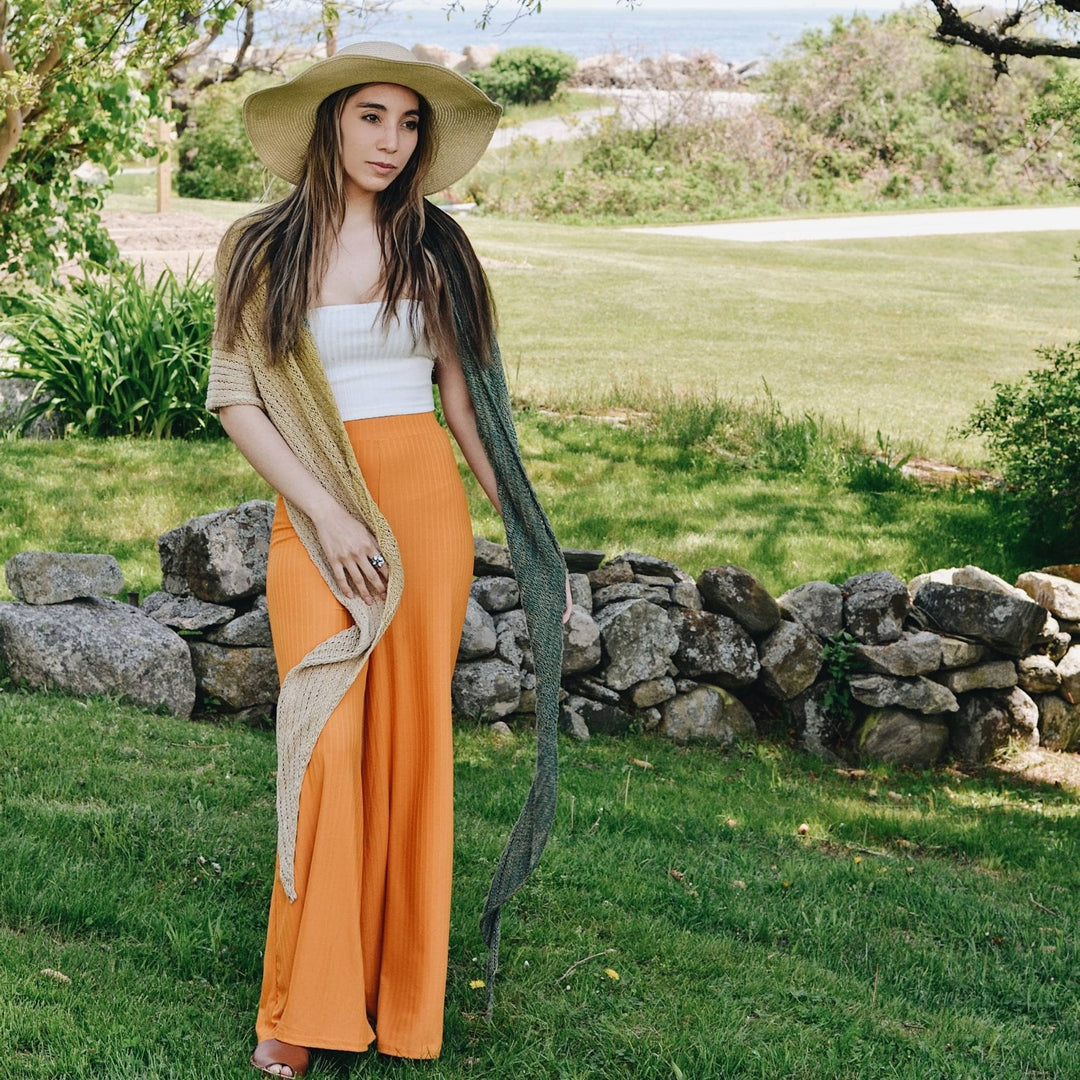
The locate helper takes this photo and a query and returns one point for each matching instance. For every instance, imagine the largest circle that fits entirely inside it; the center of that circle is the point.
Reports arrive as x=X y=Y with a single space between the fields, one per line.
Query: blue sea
x=651 y=28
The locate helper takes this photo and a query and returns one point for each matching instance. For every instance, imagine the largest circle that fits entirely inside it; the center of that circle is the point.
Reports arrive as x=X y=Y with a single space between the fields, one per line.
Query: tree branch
x=995 y=38
x=11 y=128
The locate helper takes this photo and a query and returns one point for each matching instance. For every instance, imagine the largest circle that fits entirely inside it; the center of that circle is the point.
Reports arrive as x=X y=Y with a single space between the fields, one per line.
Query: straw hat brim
x=281 y=119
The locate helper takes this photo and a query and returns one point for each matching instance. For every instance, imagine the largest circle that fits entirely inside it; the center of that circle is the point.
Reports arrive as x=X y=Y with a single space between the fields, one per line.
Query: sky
x=475 y=6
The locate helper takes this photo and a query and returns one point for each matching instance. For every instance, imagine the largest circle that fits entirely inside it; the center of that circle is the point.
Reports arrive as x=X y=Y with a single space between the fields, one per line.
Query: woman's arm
x=460 y=416
x=347 y=543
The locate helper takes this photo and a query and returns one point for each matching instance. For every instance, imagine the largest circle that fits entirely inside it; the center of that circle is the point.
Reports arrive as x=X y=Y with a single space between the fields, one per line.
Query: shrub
x=1032 y=429
x=216 y=158
x=118 y=356
x=524 y=75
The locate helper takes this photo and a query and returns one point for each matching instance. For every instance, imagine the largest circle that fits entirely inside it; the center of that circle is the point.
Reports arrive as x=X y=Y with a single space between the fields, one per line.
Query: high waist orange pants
x=362 y=952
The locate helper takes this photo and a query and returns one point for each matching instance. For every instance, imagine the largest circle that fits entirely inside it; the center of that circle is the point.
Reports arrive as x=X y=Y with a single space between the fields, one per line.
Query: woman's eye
x=371 y=116
x=411 y=125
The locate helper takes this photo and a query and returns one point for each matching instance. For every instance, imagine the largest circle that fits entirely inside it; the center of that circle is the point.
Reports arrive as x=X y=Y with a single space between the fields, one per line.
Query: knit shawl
x=297 y=398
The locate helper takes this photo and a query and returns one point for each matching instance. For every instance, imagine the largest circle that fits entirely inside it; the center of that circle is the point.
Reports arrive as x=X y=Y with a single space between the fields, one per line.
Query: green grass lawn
x=925 y=927
x=704 y=485
x=903 y=336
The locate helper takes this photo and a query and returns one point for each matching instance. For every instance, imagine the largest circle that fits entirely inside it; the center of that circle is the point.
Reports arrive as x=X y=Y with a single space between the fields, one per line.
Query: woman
x=337 y=308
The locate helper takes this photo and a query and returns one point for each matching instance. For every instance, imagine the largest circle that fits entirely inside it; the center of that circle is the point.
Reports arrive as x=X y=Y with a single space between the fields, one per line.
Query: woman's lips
x=382 y=167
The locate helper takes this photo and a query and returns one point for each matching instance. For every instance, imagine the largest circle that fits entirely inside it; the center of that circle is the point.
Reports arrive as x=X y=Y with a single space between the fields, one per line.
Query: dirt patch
x=1052 y=767
x=177 y=239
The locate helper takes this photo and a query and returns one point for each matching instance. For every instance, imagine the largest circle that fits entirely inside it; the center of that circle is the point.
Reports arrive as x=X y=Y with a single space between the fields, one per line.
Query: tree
x=80 y=81
x=524 y=7
x=1020 y=31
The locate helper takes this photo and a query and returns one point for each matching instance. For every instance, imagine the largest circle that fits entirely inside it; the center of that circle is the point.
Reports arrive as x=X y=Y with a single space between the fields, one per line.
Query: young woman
x=337 y=308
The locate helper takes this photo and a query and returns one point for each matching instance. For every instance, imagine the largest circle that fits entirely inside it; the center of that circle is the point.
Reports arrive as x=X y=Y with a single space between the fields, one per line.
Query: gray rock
x=957 y=653
x=685 y=594
x=512 y=640
x=53 y=577
x=527 y=702
x=97 y=646
x=918 y=693
x=238 y=678
x=652 y=692
x=735 y=592
x=485 y=690
x=942 y=577
x=708 y=714
x=629 y=590
x=1005 y=623
x=495 y=593
x=1051 y=629
x=985 y=724
x=1038 y=675
x=185 y=612
x=598 y=717
x=817 y=605
x=593 y=688
x=875 y=606
x=1058 y=646
x=1059 y=723
x=902 y=738
x=914 y=654
x=1058 y=595
x=652 y=579
x=651 y=565
x=581 y=560
x=501 y=728
x=219 y=557
x=572 y=718
x=992 y=675
x=611 y=573
x=250 y=629
x=818 y=729
x=490 y=559
x=649 y=719
x=638 y=641
x=973 y=577
x=791 y=657
x=581 y=592
x=581 y=643
x=478 y=634
x=1069 y=670
x=716 y=647
x=1024 y=714
x=17 y=397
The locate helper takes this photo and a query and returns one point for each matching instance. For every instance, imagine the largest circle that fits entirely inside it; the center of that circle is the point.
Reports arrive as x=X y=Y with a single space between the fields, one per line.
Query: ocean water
x=652 y=28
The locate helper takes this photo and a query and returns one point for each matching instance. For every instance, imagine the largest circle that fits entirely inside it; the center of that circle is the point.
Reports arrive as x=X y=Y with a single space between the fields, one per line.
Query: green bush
x=868 y=114
x=117 y=356
x=216 y=158
x=1032 y=430
x=525 y=75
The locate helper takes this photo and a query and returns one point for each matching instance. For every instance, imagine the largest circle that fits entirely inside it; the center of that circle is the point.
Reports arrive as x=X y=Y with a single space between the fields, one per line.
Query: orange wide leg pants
x=361 y=954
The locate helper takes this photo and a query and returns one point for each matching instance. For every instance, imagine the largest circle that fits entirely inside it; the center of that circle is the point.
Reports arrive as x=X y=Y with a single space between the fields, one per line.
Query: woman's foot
x=277 y=1058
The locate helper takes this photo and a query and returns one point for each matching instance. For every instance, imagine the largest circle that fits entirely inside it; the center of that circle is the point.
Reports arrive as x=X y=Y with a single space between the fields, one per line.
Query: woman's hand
x=569 y=602
x=349 y=548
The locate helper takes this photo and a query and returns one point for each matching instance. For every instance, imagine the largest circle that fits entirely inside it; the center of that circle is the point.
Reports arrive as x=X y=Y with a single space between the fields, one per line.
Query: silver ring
x=377 y=561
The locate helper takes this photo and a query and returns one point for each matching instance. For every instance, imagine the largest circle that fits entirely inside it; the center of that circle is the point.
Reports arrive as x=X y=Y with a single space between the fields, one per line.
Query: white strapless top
x=373 y=371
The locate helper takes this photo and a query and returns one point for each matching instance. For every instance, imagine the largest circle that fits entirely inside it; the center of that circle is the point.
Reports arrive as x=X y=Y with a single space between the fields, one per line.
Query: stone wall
x=955 y=663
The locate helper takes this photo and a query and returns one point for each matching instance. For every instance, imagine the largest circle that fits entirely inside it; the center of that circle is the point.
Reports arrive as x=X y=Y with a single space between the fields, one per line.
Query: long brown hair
x=425 y=253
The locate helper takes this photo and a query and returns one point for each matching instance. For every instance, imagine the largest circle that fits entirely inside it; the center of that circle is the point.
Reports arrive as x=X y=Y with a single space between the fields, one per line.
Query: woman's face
x=379 y=132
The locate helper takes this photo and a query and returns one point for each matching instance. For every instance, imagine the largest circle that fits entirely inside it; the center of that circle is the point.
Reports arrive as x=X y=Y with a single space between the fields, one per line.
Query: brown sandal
x=293 y=1058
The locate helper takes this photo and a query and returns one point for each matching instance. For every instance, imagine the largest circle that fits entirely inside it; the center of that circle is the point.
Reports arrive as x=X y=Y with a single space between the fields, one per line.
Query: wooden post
x=164 y=169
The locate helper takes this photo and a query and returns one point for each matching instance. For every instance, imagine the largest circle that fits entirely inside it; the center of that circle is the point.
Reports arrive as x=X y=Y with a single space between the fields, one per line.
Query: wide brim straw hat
x=281 y=119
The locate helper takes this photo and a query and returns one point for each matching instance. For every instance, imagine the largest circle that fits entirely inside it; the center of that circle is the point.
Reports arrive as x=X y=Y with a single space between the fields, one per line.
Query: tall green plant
x=117 y=355
x=525 y=74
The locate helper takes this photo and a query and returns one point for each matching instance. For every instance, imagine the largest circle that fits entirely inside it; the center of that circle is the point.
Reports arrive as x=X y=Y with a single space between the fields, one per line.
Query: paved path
x=879 y=226
x=639 y=108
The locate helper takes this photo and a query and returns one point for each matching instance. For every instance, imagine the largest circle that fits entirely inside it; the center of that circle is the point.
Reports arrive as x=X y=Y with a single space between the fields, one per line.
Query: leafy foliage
x=867 y=114
x=79 y=84
x=118 y=356
x=524 y=75
x=841 y=663
x=1032 y=430
x=216 y=158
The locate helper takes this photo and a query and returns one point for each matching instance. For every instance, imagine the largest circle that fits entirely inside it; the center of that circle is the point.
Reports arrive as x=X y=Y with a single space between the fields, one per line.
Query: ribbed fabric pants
x=363 y=948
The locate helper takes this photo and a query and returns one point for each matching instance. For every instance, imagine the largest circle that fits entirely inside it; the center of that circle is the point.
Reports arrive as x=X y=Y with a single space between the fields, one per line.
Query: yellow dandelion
x=611 y=973
x=858 y=859
x=477 y=984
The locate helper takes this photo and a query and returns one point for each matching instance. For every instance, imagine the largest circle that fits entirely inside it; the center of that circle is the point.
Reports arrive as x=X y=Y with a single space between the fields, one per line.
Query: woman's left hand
x=569 y=602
